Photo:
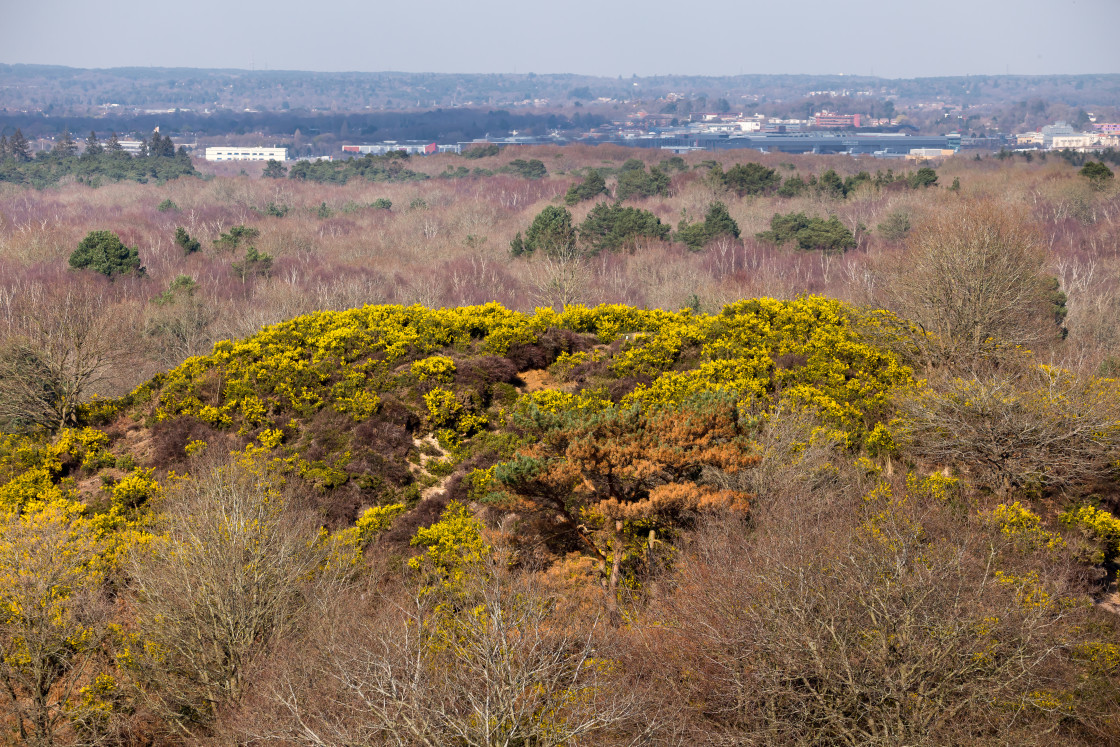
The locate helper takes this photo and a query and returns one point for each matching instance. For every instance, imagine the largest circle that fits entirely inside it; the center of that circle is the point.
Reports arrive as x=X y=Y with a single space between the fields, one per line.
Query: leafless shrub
x=797 y=457
x=500 y=668
x=559 y=281
x=895 y=621
x=1032 y=428
x=230 y=571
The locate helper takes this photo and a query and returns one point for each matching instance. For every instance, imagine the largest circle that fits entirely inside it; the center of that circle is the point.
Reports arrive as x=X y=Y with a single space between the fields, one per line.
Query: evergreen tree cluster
x=533 y=168
x=591 y=187
x=829 y=236
x=608 y=227
x=635 y=181
x=98 y=162
x=753 y=180
x=717 y=222
x=374 y=168
x=104 y=252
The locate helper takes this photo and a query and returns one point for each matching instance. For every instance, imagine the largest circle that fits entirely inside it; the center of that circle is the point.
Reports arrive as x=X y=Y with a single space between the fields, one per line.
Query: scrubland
x=398 y=486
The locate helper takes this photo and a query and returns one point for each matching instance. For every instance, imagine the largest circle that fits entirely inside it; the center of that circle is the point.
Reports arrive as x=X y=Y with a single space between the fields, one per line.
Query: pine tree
x=3 y=147
x=113 y=145
x=65 y=147
x=18 y=147
x=102 y=251
x=93 y=145
x=185 y=242
x=161 y=146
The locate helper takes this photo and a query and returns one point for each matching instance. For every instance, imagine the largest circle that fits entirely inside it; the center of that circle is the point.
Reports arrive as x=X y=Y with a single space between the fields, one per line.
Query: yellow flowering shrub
x=444 y=408
x=348 y=545
x=566 y=361
x=351 y=397
x=195 y=447
x=136 y=489
x=270 y=437
x=99 y=409
x=295 y=365
x=555 y=401
x=806 y=353
x=1102 y=657
x=936 y=486
x=1028 y=589
x=434 y=368
x=1024 y=527
x=377 y=519
x=451 y=418
x=96 y=701
x=453 y=544
x=88 y=445
x=1102 y=528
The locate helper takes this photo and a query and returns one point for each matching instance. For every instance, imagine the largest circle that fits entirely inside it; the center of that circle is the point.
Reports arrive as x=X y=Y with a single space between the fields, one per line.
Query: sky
x=895 y=39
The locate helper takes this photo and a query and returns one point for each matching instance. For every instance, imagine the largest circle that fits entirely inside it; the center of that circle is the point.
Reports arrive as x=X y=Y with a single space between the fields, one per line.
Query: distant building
x=1108 y=128
x=1083 y=141
x=234 y=153
x=131 y=147
x=1058 y=129
x=410 y=148
x=413 y=149
x=1072 y=142
x=1029 y=138
x=920 y=154
x=831 y=120
x=782 y=127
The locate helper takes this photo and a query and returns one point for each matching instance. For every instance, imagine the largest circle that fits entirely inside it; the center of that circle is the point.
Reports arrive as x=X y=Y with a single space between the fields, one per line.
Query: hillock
x=313 y=392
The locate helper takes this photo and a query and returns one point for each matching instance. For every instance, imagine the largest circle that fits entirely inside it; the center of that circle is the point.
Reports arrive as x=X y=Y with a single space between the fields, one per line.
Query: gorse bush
x=349 y=362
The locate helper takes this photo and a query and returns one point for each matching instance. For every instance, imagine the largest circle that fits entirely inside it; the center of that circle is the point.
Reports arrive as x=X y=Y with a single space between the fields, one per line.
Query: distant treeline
x=443 y=125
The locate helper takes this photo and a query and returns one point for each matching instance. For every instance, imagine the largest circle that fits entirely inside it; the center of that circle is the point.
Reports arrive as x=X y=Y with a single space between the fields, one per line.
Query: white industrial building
x=234 y=153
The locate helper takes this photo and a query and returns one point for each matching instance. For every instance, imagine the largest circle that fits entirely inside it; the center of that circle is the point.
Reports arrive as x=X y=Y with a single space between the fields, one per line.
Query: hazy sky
x=899 y=38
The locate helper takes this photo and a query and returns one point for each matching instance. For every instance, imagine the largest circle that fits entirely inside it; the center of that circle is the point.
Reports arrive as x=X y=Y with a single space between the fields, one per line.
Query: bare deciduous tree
x=972 y=281
x=64 y=344
x=1036 y=427
x=231 y=571
x=559 y=280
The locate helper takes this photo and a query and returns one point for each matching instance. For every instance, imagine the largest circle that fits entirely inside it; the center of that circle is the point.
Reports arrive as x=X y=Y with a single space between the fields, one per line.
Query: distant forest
x=56 y=90
x=441 y=124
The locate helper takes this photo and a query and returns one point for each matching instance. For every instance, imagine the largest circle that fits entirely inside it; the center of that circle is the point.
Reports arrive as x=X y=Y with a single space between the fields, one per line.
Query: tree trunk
x=612 y=584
